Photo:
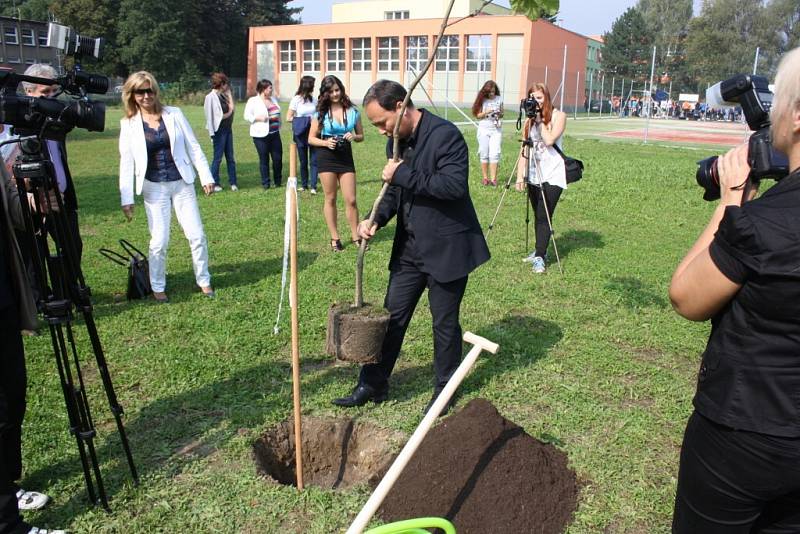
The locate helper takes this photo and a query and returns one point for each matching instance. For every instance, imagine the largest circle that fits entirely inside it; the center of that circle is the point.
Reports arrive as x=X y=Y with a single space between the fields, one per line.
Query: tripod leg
x=108 y=386
x=68 y=390
x=499 y=204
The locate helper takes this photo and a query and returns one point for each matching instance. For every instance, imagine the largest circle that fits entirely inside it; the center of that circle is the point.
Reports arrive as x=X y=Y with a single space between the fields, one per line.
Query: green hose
x=415 y=526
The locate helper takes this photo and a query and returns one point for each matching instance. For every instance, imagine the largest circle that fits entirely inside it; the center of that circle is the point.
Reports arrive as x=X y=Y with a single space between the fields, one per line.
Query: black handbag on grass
x=572 y=166
x=138 y=269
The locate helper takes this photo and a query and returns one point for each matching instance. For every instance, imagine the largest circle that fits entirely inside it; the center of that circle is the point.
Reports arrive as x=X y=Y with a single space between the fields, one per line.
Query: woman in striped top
x=264 y=115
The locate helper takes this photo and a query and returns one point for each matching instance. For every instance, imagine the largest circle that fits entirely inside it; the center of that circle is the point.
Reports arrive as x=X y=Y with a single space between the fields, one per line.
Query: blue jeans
x=269 y=146
x=308 y=155
x=223 y=144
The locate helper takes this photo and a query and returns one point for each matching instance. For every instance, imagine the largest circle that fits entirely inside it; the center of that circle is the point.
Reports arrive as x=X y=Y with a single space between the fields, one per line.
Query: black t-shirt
x=226 y=123
x=750 y=375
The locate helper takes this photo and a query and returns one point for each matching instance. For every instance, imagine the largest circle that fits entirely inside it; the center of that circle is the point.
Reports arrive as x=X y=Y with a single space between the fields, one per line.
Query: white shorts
x=489 y=140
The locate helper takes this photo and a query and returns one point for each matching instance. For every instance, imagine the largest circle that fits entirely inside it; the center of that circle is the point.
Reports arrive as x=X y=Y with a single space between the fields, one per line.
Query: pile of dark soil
x=486 y=475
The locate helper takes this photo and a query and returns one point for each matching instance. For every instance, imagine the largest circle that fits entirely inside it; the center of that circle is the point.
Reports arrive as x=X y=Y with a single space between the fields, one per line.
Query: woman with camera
x=541 y=168
x=488 y=107
x=218 y=108
x=740 y=460
x=335 y=125
x=264 y=115
x=158 y=157
x=301 y=108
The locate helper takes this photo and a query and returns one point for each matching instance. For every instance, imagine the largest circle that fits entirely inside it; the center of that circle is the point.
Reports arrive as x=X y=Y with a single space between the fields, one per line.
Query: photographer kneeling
x=740 y=460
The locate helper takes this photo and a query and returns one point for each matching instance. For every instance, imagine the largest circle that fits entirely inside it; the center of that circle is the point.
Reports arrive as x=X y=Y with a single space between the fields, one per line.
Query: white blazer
x=213 y=111
x=184 y=147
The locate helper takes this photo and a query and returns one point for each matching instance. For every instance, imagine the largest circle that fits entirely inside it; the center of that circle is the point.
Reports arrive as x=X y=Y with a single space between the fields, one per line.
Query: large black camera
x=753 y=95
x=51 y=118
x=529 y=106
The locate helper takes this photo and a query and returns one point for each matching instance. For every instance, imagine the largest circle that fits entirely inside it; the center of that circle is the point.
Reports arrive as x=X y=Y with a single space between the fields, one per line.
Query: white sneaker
x=538 y=265
x=313 y=191
x=234 y=188
x=529 y=258
x=217 y=188
x=301 y=188
x=31 y=500
x=37 y=530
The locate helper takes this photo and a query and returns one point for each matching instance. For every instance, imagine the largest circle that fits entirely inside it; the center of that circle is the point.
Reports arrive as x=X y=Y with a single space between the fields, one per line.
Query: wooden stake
x=293 y=304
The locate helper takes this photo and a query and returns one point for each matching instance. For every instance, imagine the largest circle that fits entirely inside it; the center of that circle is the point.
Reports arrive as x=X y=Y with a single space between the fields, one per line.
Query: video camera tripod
x=57 y=302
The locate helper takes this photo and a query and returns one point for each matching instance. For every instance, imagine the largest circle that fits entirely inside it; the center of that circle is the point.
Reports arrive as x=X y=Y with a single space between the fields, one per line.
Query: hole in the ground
x=337 y=453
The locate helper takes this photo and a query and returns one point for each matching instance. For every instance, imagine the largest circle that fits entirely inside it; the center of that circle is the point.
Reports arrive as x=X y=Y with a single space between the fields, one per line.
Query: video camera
x=51 y=118
x=753 y=95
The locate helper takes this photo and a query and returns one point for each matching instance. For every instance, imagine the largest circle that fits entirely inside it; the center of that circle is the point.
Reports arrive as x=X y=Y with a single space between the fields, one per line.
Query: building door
x=509 y=70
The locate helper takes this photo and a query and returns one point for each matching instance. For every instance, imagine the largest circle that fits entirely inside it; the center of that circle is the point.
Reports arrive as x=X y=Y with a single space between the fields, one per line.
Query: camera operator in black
x=17 y=311
x=740 y=461
x=56 y=152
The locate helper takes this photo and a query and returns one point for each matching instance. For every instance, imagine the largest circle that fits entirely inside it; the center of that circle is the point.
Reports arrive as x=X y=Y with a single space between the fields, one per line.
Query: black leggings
x=736 y=482
x=551 y=195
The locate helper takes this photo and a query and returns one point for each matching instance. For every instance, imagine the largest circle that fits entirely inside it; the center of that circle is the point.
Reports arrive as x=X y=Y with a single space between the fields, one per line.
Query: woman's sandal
x=357 y=242
x=336 y=245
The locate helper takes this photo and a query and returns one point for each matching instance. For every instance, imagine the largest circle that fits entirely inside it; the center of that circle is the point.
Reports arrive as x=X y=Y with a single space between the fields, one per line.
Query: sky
x=587 y=17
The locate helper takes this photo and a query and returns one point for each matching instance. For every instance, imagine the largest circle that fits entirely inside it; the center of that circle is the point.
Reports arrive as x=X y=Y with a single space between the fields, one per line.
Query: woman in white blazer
x=158 y=157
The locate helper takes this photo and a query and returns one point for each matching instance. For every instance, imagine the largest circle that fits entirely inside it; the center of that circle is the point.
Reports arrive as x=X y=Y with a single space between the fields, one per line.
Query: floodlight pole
x=755 y=63
x=577 y=91
x=602 y=92
x=563 y=75
x=650 y=94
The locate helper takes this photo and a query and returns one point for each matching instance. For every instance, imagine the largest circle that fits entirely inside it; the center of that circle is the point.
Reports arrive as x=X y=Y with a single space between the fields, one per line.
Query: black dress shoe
x=447 y=407
x=361 y=395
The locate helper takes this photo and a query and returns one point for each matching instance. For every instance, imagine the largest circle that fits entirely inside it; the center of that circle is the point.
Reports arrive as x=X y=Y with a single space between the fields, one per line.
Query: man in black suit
x=438 y=240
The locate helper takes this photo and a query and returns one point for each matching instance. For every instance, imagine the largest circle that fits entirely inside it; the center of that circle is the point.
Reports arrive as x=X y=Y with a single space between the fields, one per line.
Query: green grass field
x=594 y=361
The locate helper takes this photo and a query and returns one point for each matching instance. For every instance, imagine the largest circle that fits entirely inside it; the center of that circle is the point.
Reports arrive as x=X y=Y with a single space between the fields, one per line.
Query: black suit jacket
x=69 y=196
x=431 y=197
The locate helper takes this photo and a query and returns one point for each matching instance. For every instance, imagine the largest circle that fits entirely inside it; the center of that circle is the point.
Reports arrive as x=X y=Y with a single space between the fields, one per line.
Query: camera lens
x=708 y=178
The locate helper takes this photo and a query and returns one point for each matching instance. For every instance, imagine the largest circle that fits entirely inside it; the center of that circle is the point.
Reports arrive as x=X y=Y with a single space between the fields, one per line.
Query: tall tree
x=668 y=22
x=629 y=46
x=722 y=41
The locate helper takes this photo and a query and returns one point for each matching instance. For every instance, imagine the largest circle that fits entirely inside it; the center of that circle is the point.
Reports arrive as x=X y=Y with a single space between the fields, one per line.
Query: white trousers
x=489 y=140
x=159 y=198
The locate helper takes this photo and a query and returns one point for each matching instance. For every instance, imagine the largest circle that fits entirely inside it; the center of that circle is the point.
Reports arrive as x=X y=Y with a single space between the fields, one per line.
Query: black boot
x=361 y=394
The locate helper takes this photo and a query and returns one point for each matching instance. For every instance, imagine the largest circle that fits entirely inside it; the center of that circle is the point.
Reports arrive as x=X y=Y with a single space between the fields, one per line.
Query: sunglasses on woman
x=140 y=92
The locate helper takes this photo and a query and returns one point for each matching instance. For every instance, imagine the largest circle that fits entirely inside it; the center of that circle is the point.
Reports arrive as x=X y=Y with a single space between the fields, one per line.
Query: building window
x=479 y=53
x=27 y=37
x=361 y=48
x=310 y=55
x=11 y=38
x=42 y=38
x=388 y=53
x=335 y=54
x=416 y=52
x=447 y=55
x=395 y=15
x=30 y=61
x=12 y=59
x=288 y=56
